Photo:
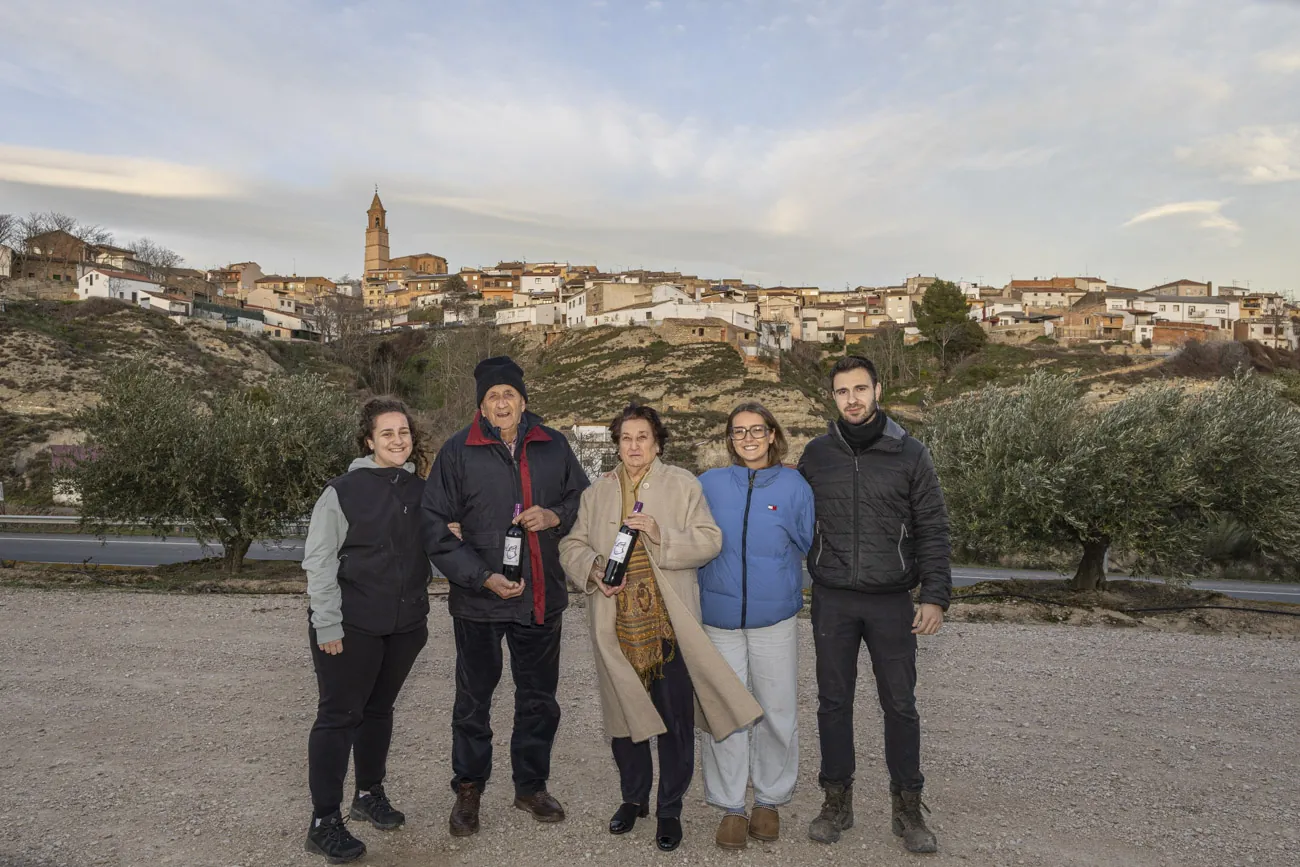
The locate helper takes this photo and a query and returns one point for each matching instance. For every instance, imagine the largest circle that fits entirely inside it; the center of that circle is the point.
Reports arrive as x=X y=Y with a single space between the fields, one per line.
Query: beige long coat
x=689 y=539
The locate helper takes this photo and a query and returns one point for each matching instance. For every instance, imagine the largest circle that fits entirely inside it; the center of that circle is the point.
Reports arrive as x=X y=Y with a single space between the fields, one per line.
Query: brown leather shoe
x=464 y=814
x=543 y=807
x=765 y=824
x=732 y=832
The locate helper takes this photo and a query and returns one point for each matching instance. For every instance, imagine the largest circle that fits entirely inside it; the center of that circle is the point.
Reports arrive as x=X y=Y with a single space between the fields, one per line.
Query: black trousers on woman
x=358 y=688
x=674 y=698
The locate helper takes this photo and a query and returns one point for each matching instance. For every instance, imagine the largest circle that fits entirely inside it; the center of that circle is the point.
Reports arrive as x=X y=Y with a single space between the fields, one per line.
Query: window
x=1162 y=308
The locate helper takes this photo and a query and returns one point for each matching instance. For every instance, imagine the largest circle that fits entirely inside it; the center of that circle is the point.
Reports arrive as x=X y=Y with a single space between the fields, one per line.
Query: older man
x=505 y=458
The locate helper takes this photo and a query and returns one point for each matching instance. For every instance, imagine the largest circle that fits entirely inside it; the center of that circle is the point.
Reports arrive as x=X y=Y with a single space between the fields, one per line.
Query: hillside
x=52 y=355
x=589 y=375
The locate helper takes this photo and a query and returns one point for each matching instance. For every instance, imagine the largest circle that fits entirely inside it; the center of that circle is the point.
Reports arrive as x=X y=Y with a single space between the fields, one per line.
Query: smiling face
x=753 y=450
x=855 y=395
x=390 y=439
x=503 y=407
x=636 y=445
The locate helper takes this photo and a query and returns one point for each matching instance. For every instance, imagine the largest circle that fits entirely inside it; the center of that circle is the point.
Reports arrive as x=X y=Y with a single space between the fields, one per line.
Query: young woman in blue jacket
x=750 y=597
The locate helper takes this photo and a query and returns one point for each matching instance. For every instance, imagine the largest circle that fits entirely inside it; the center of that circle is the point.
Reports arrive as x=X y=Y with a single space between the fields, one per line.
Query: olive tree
x=235 y=465
x=1037 y=469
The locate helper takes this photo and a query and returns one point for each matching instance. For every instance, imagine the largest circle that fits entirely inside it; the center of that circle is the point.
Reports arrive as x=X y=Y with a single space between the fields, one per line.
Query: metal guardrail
x=297 y=528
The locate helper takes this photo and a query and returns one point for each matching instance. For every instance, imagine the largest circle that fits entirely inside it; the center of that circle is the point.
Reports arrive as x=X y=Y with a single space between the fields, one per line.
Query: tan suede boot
x=732 y=832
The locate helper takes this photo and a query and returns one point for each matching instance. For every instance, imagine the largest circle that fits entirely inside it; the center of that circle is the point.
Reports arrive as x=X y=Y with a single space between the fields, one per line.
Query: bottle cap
x=636 y=507
x=518 y=510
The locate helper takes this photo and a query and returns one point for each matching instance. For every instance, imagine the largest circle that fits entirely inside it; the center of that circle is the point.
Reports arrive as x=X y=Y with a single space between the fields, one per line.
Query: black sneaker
x=328 y=836
x=375 y=808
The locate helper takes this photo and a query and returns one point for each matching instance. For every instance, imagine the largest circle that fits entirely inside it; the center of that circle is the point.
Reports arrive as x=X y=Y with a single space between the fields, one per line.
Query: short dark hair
x=854 y=362
x=776 y=453
x=645 y=413
x=372 y=410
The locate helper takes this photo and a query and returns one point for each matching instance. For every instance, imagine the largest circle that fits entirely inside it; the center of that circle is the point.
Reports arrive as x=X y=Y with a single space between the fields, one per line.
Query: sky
x=796 y=142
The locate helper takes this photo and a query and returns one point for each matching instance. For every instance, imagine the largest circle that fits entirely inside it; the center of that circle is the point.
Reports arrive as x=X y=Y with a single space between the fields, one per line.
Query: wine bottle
x=624 y=542
x=512 y=558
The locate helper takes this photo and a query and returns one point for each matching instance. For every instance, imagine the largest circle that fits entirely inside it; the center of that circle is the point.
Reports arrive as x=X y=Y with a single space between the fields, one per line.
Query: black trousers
x=358 y=688
x=842 y=621
x=535 y=668
x=674 y=698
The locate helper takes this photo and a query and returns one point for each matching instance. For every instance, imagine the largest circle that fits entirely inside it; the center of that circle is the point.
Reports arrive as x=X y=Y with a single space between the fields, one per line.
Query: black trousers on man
x=674 y=697
x=842 y=621
x=358 y=688
x=535 y=668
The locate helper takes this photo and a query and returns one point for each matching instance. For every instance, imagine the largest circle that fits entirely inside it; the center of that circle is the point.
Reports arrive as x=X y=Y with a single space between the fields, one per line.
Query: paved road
x=145 y=551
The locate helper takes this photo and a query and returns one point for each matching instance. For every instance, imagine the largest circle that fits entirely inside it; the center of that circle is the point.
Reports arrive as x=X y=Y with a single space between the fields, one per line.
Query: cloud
x=1252 y=155
x=125 y=175
x=1210 y=213
x=1280 y=61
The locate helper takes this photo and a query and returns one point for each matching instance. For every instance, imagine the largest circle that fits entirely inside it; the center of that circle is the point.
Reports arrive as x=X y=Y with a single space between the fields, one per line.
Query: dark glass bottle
x=512 y=558
x=624 y=542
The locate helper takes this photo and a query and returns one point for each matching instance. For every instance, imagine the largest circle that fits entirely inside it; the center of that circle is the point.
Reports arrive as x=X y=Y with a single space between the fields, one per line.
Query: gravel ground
x=161 y=730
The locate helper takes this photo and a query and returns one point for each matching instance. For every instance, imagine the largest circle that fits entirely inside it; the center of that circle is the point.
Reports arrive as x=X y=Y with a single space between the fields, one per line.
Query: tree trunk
x=235 y=550
x=1091 y=575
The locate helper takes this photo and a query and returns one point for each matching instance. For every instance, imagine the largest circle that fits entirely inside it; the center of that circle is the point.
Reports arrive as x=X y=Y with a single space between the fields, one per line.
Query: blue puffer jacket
x=767 y=521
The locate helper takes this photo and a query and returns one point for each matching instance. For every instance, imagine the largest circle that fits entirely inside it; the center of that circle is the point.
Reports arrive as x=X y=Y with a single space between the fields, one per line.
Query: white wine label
x=513 y=547
x=622 y=543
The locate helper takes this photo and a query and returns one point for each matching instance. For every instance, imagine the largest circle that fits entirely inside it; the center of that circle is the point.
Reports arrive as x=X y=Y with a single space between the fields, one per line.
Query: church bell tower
x=376 y=235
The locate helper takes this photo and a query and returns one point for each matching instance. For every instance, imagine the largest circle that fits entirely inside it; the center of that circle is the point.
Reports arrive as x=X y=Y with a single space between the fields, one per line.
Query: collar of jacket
x=762 y=478
x=890 y=441
x=532 y=434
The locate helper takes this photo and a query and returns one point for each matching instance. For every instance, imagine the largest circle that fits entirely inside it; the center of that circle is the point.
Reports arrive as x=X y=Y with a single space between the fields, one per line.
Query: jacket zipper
x=855 y=518
x=902 y=534
x=744 y=559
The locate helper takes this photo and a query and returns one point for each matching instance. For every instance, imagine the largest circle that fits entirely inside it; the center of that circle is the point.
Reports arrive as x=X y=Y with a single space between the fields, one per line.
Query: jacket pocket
x=821 y=544
x=902 y=537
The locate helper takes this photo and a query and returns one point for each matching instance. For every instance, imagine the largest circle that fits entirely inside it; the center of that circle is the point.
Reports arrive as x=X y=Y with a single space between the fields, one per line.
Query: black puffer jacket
x=475 y=482
x=882 y=525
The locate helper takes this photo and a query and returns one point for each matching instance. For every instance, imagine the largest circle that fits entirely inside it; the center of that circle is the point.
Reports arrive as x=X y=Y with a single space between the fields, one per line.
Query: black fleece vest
x=383 y=570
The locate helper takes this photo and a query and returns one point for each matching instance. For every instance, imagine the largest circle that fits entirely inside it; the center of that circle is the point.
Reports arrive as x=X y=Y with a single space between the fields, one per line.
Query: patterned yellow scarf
x=642 y=623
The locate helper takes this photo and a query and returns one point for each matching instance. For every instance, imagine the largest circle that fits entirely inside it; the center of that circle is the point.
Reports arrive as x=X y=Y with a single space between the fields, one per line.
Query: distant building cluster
x=418 y=291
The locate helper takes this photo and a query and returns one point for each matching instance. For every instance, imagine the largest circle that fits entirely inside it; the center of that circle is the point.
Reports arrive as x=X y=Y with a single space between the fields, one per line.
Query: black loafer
x=669 y=835
x=625 y=819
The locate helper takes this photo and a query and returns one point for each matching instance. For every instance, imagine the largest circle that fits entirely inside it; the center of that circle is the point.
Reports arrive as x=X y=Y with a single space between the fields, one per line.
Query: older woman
x=659 y=673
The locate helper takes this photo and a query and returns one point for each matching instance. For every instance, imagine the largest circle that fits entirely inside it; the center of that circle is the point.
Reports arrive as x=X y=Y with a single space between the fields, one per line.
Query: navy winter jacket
x=766 y=517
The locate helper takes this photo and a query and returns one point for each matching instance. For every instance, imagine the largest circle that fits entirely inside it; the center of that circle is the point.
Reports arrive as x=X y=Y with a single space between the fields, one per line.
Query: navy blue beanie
x=500 y=370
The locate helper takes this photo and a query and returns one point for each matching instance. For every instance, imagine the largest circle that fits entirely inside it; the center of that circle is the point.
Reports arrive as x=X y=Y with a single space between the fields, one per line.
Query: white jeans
x=766 y=661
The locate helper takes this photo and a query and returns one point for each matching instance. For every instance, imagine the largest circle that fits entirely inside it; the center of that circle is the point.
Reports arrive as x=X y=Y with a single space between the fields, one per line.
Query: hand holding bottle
x=643 y=523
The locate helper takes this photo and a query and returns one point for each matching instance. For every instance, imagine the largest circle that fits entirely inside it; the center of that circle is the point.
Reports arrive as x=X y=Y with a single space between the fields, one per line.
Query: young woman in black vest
x=367 y=580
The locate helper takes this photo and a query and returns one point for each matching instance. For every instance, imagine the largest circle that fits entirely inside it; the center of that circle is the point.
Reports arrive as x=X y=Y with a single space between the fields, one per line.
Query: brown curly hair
x=645 y=413
x=373 y=409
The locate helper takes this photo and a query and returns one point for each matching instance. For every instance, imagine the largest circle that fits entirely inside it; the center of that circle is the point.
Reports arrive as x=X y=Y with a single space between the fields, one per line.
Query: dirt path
x=171 y=730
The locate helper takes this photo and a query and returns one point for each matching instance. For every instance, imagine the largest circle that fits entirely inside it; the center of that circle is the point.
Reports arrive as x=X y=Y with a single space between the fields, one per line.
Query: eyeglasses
x=758 y=432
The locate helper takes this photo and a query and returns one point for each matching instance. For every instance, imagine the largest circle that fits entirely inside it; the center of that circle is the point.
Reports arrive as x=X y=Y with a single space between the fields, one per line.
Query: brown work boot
x=543 y=807
x=464 y=814
x=733 y=832
x=765 y=824
x=910 y=825
x=836 y=814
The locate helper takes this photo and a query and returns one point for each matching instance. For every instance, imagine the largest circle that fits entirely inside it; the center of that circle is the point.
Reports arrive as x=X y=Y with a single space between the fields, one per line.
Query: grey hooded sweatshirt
x=325 y=536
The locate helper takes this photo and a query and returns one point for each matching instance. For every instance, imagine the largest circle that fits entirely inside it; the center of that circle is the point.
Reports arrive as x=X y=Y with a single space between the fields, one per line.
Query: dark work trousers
x=842 y=620
x=535 y=667
x=674 y=698
x=355 y=714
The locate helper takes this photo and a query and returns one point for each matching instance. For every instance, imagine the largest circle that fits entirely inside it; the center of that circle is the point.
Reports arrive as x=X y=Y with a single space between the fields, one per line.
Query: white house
x=174 y=307
x=651 y=314
x=1202 y=310
x=122 y=285
x=518 y=318
x=898 y=307
x=573 y=312
x=7 y=256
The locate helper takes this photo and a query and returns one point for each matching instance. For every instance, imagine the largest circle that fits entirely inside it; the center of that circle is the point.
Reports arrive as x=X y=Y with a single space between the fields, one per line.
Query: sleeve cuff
x=333 y=632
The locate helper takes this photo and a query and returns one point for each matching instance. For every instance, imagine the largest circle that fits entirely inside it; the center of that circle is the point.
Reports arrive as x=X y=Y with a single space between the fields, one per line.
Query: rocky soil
x=171 y=730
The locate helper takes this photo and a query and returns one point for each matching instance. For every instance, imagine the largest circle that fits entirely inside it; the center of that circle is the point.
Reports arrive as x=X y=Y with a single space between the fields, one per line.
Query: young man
x=505 y=458
x=882 y=530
